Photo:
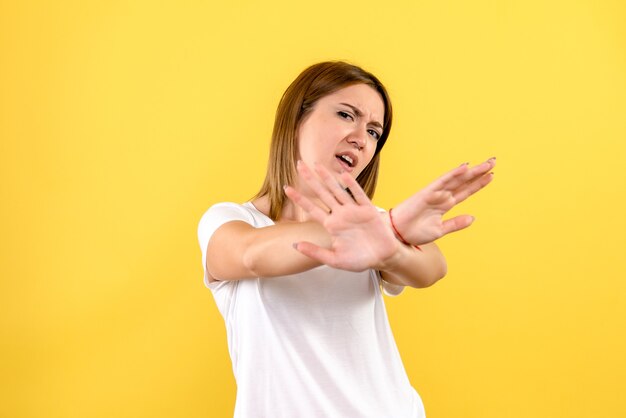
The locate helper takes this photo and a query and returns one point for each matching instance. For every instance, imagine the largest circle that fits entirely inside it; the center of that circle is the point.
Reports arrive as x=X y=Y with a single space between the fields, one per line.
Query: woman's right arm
x=238 y=250
x=350 y=237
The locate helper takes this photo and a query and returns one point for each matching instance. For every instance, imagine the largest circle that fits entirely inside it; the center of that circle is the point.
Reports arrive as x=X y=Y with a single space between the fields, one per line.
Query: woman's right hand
x=359 y=236
x=419 y=219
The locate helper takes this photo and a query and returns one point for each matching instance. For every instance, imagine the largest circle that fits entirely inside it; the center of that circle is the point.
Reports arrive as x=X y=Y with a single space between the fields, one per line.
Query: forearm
x=271 y=253
x=238 y=251
x=415 y=268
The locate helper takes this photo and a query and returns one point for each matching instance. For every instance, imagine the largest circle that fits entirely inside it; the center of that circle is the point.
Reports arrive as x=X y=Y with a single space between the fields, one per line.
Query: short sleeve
x=216 y=216
x=389 y=289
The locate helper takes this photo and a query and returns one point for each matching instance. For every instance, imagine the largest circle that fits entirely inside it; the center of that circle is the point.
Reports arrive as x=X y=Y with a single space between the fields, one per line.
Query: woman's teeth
x=347 y=159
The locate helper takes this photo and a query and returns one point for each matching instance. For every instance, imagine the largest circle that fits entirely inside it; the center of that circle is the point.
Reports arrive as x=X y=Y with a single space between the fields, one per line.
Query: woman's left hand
x=360 y=238
x=419 y=219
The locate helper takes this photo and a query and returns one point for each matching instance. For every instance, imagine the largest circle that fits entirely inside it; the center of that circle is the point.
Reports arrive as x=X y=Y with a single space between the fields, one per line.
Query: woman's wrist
x=393 y=261
x=397 y=233
x=400 y=251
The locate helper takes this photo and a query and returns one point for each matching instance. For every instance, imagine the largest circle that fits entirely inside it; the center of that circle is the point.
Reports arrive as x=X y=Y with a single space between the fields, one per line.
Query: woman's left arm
x=420 y=221
x=412 y=267
x=354 y=222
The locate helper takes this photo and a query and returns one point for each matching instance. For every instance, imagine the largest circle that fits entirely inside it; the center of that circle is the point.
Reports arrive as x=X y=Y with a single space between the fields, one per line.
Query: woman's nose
x=358 y=138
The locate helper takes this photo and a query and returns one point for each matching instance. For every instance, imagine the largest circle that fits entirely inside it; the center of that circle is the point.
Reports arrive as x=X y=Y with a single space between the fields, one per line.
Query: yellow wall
x=121 y=122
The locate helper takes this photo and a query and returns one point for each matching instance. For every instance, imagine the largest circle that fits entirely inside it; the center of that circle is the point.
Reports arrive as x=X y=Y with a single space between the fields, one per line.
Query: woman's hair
x=312 y=84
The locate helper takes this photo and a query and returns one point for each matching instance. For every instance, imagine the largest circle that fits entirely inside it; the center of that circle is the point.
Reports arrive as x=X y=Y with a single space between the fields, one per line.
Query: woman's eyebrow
x=358 y=112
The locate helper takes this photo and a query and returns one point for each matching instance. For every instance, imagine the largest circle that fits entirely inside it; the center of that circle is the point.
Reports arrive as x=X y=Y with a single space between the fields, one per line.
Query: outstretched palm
x=419 y=219
x=360 y=239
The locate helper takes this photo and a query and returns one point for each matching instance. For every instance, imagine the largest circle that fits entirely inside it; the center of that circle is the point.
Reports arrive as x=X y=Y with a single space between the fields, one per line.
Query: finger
x=481 y=169
x=457 y=223
x=317 y=186
x=355 y=189
x=443 y=181
x=317 y=253
x=333 y=185
x=473 y=173
x=317 y=213
x=469 y=189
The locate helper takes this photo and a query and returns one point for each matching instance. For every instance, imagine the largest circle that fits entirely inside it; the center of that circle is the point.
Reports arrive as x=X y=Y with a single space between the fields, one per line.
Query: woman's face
x=342 y=129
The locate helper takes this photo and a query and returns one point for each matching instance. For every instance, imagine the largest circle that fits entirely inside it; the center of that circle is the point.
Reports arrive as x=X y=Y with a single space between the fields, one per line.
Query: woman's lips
x=344 y=165
x=347 y=159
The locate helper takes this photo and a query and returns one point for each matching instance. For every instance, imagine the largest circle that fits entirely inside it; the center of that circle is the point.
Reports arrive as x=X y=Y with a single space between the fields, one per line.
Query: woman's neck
x=290 y=211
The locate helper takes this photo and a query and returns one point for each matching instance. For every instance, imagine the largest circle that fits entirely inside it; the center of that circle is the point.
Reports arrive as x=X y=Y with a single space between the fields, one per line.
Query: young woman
x=298 y=272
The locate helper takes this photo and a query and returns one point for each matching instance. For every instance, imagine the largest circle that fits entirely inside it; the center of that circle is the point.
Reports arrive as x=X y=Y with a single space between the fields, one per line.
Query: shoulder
x=221 y=213
x=227 y=211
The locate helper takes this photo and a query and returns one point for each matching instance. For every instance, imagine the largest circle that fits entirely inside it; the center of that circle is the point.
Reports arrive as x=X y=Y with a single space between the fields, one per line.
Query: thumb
x=315 y=252
x=457 y=223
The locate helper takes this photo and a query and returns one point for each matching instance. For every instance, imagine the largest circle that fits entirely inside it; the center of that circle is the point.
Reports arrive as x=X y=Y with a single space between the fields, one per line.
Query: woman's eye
x=344 y=115
x=374 y=134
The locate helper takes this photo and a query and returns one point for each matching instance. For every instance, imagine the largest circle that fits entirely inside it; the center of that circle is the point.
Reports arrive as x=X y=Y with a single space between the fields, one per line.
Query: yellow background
x=122 y=122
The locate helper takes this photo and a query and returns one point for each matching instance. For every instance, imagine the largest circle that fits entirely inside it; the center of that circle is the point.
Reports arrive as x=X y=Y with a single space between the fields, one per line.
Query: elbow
x=443 y=270
x=440 y=273
x=437 y=274
x=250 y=262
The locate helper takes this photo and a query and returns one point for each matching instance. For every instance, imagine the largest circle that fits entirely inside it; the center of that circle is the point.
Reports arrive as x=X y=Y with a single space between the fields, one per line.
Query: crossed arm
x=353 y=235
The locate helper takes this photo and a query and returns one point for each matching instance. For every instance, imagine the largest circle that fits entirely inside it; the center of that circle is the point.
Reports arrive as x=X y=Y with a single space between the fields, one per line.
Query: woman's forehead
x=364 y=97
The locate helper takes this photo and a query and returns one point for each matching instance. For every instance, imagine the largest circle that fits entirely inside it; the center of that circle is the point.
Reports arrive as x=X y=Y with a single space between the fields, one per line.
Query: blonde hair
x=312 y=84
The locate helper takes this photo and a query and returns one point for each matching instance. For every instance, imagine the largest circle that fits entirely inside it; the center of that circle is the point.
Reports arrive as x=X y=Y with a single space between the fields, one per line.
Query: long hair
x=312 y=84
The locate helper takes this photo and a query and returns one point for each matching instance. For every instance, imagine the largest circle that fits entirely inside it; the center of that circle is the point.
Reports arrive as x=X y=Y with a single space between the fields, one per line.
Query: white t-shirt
x=313 y=344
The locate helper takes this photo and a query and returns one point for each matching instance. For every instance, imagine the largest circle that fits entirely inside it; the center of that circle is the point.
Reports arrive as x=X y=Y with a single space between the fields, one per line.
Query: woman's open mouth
x=347 y=160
